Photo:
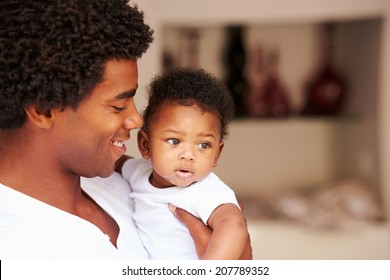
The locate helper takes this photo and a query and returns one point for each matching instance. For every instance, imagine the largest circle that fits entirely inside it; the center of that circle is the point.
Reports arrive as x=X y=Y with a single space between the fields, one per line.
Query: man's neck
x=25 y=168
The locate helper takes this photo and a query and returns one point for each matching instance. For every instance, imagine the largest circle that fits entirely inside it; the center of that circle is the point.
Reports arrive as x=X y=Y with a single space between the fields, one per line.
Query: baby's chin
x=185 y=184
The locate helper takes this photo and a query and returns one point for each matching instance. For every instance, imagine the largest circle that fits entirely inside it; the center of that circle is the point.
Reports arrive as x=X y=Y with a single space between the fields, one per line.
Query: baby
x=181 y=141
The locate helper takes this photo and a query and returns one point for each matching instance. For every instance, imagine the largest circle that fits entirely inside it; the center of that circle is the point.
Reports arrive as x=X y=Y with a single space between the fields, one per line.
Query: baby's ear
x=143 y=143
x=221 y=144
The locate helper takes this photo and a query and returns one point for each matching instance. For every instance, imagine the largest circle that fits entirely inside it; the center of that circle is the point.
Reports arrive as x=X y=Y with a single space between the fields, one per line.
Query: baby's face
x=184 y=145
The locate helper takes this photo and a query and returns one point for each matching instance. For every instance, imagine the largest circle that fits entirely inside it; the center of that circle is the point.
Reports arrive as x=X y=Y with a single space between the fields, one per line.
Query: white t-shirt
x=31 y=229
x=164 y=236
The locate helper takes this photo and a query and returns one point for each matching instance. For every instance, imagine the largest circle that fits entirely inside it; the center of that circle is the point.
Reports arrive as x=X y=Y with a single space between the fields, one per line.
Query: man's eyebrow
x=127 y=94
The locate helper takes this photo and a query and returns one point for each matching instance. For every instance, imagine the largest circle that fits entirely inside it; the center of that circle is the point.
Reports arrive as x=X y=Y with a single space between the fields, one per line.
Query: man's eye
x=204 y=145
x=173 y=141
x=119 y=108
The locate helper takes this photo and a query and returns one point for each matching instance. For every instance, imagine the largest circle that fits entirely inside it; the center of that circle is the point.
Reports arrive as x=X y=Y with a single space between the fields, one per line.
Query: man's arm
x=119 y=163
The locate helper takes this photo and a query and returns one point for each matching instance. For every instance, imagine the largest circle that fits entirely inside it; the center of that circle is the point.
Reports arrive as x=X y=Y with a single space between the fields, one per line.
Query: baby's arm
x=230 y=234
x=201 y=233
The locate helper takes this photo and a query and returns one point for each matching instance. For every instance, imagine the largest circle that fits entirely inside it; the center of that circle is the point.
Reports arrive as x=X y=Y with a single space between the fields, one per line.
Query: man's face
x=90 y=139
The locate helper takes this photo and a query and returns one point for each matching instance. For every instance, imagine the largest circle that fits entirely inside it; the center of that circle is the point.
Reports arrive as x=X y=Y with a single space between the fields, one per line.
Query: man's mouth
x=118 y=143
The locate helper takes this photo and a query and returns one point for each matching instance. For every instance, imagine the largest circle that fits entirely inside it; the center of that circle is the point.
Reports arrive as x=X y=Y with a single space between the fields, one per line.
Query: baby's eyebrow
x=171 y=130
x=211 y=135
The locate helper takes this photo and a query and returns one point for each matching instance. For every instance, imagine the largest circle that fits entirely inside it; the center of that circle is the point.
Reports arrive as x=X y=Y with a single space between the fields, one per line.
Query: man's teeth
x=118 y=143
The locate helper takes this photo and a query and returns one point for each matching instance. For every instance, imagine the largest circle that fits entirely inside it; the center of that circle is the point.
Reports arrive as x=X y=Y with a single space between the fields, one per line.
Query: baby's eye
x=204 y=145
x=173 y=141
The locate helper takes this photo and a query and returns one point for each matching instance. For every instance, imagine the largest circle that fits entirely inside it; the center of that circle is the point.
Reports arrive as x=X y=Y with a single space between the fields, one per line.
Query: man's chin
x=103 y=173
x=107 y=173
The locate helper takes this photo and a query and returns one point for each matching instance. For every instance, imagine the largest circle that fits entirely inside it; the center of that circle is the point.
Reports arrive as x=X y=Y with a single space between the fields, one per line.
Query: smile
x=118 y=143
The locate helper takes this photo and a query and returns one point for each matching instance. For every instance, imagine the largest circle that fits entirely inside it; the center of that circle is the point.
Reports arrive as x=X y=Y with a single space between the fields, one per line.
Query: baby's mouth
x=184 y=173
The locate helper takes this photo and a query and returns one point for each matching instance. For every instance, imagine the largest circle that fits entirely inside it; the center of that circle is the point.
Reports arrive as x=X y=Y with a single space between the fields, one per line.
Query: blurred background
x=309 y=149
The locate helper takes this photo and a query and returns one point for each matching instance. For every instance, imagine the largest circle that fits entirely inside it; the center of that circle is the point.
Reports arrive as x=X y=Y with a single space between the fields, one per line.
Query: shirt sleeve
x=128 y=168
x=205 y=196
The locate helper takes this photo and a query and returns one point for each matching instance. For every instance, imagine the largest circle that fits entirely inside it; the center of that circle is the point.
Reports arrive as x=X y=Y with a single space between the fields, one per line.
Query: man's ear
x=221 y=145
x=41 y=118
x=143 y=143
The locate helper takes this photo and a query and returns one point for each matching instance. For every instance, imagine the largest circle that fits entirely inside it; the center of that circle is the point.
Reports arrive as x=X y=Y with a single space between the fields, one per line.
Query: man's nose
x=133 y=119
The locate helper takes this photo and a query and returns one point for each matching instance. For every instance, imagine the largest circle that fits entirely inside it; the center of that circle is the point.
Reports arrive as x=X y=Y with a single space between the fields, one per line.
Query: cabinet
x=269 y=155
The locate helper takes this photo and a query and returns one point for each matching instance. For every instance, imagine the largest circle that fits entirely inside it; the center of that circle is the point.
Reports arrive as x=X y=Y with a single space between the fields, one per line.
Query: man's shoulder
x=111 y=189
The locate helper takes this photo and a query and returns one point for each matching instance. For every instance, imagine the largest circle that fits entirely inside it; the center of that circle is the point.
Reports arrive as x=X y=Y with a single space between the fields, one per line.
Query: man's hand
x=201 y=233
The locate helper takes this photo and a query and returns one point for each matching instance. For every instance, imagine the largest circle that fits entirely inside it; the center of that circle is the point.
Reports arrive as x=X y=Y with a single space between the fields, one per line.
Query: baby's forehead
x=172 y=108
x=190 y=104
x=155 y=110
